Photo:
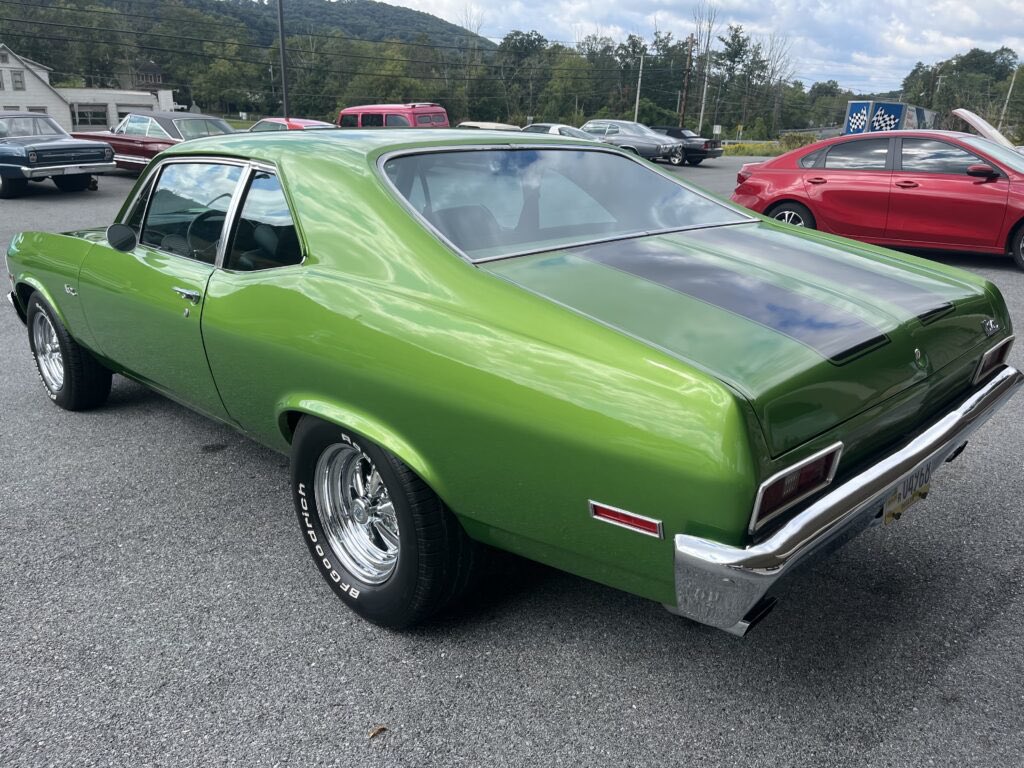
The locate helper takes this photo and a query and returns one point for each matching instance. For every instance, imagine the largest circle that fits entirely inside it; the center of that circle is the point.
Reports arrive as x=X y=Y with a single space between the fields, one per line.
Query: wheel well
x=289 y=421
x=768 y=211
x=22 y=293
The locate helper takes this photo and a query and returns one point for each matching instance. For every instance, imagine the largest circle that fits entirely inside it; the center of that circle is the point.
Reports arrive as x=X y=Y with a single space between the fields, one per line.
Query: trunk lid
x=810 y=330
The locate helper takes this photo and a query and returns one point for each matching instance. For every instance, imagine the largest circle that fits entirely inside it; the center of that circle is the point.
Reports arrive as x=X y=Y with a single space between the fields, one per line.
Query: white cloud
x=864 y=44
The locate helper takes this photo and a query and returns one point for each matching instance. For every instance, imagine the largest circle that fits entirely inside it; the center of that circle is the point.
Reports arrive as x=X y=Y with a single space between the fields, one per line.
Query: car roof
x=347 y=144
x=912 y=132
x=173 y=115
x=413 y=105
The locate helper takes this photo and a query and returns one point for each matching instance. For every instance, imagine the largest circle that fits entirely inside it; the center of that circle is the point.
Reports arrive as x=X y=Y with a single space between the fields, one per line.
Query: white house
x=25 y=87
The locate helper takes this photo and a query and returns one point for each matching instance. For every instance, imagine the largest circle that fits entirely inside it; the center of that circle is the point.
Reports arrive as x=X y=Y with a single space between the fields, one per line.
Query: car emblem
x=990 y=326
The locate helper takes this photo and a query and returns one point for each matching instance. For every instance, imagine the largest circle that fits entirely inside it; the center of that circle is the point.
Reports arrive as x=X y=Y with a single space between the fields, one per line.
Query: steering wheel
x=203 y=234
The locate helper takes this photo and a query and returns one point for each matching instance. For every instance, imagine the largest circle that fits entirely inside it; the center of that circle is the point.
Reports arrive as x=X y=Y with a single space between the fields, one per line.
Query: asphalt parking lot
x=158 y=607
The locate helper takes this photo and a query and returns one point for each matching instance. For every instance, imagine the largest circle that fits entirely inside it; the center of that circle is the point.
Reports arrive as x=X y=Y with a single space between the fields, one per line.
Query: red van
x=418 y=115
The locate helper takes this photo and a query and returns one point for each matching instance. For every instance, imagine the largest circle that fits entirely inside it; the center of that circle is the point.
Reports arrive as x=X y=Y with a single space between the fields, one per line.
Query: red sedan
x=287 y=124
x=936 y=190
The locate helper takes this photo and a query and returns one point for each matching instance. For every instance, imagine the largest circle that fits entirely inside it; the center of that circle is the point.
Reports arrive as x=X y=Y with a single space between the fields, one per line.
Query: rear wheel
x=380 y=537
x=694 y=160
x=793 y=213
x=77 y=183
x=12 y=187
x=1017 y=246
x=73 y=378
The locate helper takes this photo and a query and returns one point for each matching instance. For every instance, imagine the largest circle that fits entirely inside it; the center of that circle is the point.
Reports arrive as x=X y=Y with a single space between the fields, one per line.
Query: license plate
x=910 y=490
x=72 y=169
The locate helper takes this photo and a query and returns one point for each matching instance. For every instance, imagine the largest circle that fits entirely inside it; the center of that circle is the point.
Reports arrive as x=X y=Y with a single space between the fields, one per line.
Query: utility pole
x=704 y=95
x=639 y=79
x=686 y=80
x=284 y=70
x=1007 y=102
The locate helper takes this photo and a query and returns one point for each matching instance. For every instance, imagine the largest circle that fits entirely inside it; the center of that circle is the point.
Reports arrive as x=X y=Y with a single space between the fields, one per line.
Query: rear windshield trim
x=384 y=158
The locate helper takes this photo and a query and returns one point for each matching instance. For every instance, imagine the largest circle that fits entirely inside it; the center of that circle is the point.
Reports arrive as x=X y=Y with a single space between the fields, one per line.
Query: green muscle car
x=477 y=339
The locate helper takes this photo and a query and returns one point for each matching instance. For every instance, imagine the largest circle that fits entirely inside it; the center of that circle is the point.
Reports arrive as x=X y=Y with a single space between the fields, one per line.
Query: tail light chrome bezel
x=992 y=359
x=757 y=522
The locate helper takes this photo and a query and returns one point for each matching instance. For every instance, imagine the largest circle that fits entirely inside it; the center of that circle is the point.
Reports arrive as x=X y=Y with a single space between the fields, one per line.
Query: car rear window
x=861 y=154
x=501 y=202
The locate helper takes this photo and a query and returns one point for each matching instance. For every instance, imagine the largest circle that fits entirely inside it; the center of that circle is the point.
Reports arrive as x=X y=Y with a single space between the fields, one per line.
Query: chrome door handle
x=188 y=295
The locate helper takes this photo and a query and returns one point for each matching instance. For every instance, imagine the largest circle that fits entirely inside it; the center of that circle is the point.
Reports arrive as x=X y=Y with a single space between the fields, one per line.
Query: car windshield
x=1004 y=155
x=12 y=127
x=196 y=127
x=497 y=203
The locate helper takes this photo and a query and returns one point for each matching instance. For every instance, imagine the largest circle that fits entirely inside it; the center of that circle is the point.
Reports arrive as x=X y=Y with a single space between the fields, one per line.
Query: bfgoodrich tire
x=72 y=377
x=380 y=537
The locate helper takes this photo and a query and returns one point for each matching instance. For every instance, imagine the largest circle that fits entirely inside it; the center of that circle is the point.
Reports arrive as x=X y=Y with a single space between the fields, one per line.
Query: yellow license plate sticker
x=910 y=490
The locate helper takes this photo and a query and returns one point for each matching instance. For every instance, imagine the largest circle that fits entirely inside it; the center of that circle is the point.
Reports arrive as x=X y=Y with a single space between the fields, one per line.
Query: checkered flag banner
x=858 y=120
x=883 y=121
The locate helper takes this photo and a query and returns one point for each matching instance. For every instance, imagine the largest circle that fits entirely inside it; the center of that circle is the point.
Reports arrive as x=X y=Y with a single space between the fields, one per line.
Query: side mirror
x=982 y=171
x=121 y=237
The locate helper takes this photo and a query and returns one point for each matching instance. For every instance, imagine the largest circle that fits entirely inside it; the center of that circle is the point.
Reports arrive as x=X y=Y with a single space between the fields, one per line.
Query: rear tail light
x=742 y=175
x=992 y=359
x=707 y=145
x=794 y=484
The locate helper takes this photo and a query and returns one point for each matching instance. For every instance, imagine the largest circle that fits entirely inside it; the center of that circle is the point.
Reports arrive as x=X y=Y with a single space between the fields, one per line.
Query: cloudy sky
x=866 y=45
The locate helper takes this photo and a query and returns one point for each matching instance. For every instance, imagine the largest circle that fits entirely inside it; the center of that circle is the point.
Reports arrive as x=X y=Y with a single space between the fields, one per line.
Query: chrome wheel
x=356 y=513
x=48 y=354
x=790 y=217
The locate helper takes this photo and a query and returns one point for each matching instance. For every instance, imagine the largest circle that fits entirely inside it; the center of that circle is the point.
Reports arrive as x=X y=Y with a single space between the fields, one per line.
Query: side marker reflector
x=624 y=519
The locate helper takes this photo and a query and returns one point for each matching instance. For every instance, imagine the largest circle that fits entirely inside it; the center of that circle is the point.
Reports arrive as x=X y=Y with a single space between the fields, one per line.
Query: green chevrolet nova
x=475 y=340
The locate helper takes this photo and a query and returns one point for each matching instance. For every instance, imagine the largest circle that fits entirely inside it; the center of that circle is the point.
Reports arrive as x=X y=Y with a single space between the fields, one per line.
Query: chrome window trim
x=153 y=177
x=979 y=372
x=757 y=522
x=516 y=147
x=237 y=203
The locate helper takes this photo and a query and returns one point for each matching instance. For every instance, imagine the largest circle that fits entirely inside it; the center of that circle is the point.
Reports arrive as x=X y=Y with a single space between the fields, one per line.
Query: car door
x=935 y=203
x=849 y=188
x=144 y=307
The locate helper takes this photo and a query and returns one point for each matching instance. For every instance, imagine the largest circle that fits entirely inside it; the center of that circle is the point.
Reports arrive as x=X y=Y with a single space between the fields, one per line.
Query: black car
x=638 y=138
x=33 y=147
x=696 y=148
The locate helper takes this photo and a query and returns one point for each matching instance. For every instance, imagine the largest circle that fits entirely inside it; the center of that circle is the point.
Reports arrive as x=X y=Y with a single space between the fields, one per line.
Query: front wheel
x=380 y=537
x=1017 y=246
x=72 y=377
x=676 y=158
x=793 y=213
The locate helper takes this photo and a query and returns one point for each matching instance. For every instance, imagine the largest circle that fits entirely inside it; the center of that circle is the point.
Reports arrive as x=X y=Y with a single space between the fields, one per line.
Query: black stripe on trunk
x=832 y=332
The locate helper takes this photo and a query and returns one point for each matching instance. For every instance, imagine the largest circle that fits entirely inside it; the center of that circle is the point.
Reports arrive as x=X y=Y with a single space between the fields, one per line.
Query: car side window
x=266 y=125
x=811 y=160
x=397 y=121
x=862 y=155
x=373 y=121
x=156 y=130
x=136 y=125
x=611 y=130
x=265 y=236
x=188 y=207
x=422 y=119
x=349 y=121
x=929 y=156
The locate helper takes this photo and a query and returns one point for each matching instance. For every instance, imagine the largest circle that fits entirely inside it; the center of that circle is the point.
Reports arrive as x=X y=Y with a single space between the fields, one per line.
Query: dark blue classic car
x=34 y=147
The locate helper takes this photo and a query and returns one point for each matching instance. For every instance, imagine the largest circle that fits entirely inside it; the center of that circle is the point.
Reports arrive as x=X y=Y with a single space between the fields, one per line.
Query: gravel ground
x=159 y=608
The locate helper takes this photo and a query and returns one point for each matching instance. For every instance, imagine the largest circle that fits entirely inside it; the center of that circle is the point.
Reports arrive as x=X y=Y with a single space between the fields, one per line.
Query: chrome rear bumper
x=728 y=587
x=61 y=170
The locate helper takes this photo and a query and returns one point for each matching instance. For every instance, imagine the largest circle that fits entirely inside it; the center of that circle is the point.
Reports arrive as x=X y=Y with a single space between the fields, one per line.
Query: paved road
x=158 y=607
